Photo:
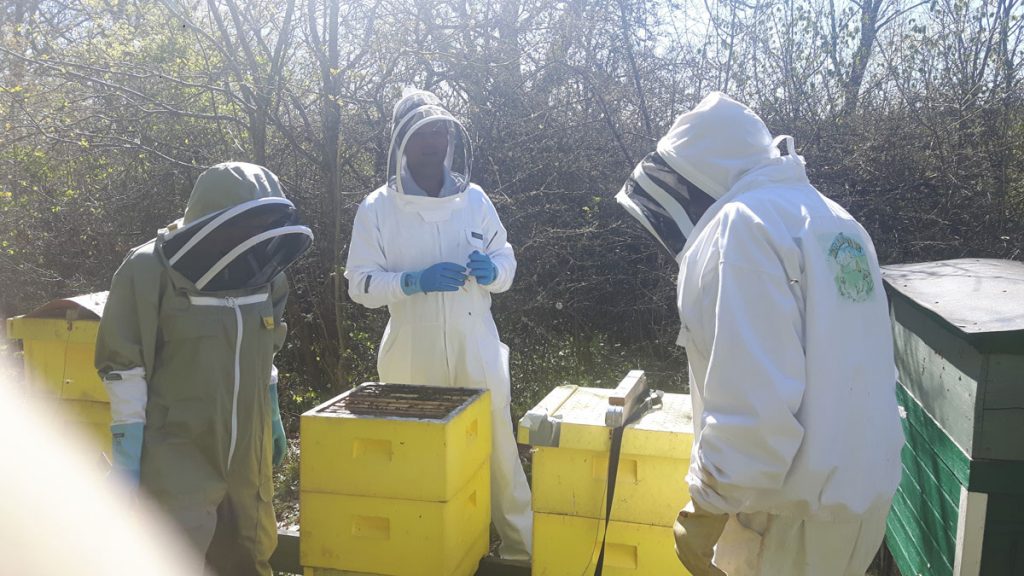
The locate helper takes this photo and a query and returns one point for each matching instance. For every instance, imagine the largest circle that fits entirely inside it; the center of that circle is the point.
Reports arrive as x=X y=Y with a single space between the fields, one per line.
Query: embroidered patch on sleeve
x=852 y=270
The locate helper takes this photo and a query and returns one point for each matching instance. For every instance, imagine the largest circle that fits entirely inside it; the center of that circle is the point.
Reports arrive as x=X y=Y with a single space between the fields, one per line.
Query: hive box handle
x=372 y=449
x=376 y=527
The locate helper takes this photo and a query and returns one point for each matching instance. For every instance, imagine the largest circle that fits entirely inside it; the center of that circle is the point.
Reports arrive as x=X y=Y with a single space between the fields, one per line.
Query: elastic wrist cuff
x=410 y=283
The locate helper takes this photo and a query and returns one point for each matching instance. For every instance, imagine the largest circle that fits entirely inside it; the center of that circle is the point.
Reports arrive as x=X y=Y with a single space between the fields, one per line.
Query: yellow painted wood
x=92 y=418
x=424 y=460
x=81 y=419
x=467 y=567
x=59 y=360
x=29 y=328
x=569 y=546
x=83 y=411
x=648 y=489
x=44 y=366
x=572 y=478
x=81 y=381
x=99 y=434
x=549 y=405
x=667 y=432
x=397 y=537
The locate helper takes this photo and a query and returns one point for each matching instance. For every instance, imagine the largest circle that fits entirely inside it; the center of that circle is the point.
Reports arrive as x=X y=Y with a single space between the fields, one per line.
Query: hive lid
x=974 y=296
x=88 y=306
x=577 y=419
x=377 y=400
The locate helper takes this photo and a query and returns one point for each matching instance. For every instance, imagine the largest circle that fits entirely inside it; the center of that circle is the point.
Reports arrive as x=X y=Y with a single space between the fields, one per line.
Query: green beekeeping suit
x=195 y=366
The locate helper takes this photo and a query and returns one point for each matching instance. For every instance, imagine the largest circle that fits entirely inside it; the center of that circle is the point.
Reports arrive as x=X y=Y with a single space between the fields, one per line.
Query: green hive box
x=958 y=328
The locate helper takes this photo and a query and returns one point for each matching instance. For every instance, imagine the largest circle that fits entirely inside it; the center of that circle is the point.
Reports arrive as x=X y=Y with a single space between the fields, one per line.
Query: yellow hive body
x=379 y=456
x=570 y=484
x=59 y=341
x=391 y=495
x=569 y=546
x=93 y=417
x=59 y=356
x=467 y=567
x=397 y=536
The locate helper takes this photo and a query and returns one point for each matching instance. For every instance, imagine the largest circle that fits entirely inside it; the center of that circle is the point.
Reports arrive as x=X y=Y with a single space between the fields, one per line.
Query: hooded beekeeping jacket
x=442 y=338
x=439 y=338
x=194 y=364
x=784 y=320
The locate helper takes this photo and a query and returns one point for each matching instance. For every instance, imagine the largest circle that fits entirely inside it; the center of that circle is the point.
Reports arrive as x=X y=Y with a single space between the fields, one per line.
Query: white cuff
x=128 y=395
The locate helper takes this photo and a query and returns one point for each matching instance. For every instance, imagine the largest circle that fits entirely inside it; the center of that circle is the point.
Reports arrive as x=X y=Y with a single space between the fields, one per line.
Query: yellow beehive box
x=94 y=417
x=397 y=537
x=468 y=566
x=396 y=441
x=84 y=412
x=59 y=341
x=570 y=545
x=571 y=477
x=100 y=435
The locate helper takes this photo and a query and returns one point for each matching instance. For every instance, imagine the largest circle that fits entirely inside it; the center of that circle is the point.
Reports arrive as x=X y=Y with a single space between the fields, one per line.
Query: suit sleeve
x=279 y=291
x=370 y=281
x=496 y=246
x=126 y=341
x=755 y=377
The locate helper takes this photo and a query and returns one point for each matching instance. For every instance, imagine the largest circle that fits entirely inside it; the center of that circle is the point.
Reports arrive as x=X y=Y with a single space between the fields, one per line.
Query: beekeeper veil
x=705 y=153
x=416 y=109
x=665 y=203
x=238 y=231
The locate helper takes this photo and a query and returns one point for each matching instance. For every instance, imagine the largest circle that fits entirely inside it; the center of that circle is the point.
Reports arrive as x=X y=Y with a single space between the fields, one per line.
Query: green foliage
x=286 y=487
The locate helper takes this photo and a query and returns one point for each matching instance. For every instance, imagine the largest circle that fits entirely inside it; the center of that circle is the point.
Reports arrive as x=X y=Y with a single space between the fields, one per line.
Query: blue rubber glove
x=277 y=427
x=441 y=277
x=482 y=267
x=126 y=445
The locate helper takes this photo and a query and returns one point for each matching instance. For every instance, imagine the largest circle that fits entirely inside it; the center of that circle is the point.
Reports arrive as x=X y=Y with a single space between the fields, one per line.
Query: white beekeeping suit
x=438 y=337
x=786 y=328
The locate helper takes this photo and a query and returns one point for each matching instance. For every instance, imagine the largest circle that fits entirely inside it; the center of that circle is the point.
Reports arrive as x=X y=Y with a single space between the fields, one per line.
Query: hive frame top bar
x=327 y=409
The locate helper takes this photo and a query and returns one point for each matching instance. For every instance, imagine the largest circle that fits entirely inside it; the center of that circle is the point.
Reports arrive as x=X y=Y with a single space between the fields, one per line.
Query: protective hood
x=416 y=109
x=238 y=231
x=706 y=152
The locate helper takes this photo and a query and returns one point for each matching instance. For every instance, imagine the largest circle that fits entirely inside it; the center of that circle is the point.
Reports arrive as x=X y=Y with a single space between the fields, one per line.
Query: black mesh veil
x=244 y=246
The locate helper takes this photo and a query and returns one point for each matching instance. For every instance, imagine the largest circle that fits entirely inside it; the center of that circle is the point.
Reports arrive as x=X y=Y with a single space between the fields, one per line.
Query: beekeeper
x=797 y=437
x=185 y=349
x=428 y=244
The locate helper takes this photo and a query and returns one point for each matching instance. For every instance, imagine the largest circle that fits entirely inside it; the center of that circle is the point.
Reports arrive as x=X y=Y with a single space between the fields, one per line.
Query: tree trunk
x=868 y=31
x=1004 y=153
x=627 y=41
x=332 y=257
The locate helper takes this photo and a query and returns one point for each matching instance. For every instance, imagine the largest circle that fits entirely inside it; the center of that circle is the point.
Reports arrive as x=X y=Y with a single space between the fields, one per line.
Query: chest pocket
x=260 y=325
x=194 y=349
x=475 y=239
